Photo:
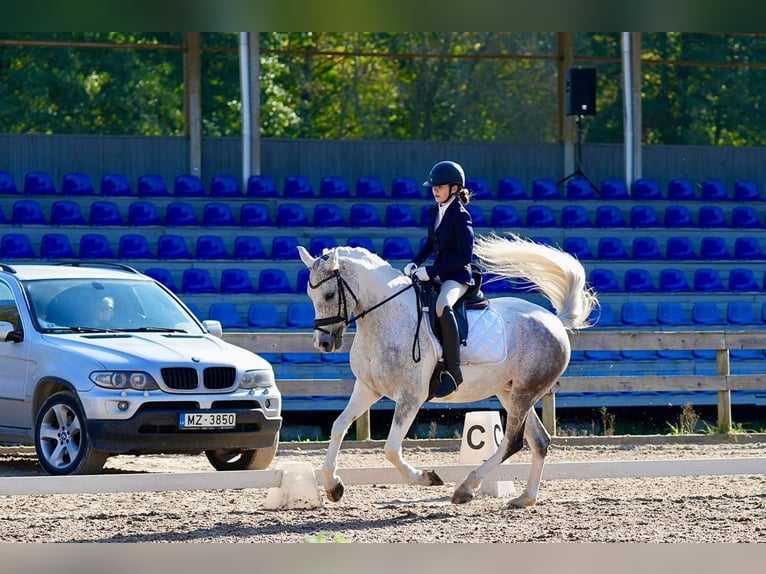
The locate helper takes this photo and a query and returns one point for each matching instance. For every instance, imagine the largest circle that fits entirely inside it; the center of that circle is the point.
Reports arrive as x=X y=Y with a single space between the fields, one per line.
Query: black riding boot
x=451 y=376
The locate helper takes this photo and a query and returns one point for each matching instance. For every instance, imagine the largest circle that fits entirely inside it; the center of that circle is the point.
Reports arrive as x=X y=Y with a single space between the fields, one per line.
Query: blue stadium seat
x=425 y=213
x=681 y=189
x=264 y=315
x=317 y=245
x=714 y=247
x=741 y=313
x=39 y=183
x=745 y=217
x=27 y=212
x=56 y=246
x=545 y=188
x=711 y=216
x=679 y=248
x=211 y=247
x=644 y=216
x=613 y=188
x=8 y=184
x=604 y=280
x=217 y=214
x=188 y=185
x=636 y=313
x=151 y=185
x=66 y=212
x=77 y=184
x=291 y=215
x=510 y=188
x=713 y=190
x=328 y=215
x=302 y=281
x=540 y=216
x=236 y=280
x=639 y=280
x=748 y=248
x=496 y=284
x=578 y=247
x=249 y=247
x=300 y=315
x=646 y=248
x=397 y=248
x=612 y=248
x=261 y=186
x=673 y=279
x=104 y=212
x=743 y=279
x=134 y=246
x=333 y=186
x=162 y=275
x=646 y=188
x=707 y=313
x=575 y=216
x=223 y=185
x=579 y=188
x=708 y=279
x=255 y=215
x=364 y=215
x=95 y=246
x=678 y=216
x=405 y=188
x=298 y=187
x=477 y=215
x=197 y=280
x=226 y=312
x=609 y=216
x=370 y=187
x=746 y=191
x=274 y=280
x=604 y=316
x=400 y=215
x=361 y=241
x=284 y=247
x=672 y=313
x=179 y=214
x=171 y=246
x=142 y=213
x=16 y=246
x=505 y=216
x=115 y=184
x=479 y=188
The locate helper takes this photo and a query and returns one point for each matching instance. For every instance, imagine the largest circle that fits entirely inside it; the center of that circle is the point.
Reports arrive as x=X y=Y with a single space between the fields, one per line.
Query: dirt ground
x=673 y=509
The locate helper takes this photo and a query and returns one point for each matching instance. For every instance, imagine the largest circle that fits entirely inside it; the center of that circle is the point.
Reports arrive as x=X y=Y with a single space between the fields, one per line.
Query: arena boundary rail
x=723 y=382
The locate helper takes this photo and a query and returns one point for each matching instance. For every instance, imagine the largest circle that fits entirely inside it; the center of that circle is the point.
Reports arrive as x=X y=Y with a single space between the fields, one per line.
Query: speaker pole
x=578 y=172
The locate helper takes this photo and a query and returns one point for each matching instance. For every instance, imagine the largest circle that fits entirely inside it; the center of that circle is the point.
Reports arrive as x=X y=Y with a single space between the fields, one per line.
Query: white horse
x=350 y=284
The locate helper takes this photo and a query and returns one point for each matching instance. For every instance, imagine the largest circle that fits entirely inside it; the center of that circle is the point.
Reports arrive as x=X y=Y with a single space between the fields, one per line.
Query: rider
x=450 y=239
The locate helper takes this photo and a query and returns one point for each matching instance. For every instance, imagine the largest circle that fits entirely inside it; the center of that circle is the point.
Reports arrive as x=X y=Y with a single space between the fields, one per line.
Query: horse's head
x=333 y=298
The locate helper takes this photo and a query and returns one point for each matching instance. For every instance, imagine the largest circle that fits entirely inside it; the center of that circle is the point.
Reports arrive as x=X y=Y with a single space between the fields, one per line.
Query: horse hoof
x=461 y=497
x=336 y=493
x=521 y=502
x=434 y=479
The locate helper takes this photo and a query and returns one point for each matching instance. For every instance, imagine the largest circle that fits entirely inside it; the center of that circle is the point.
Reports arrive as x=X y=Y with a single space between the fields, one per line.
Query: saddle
x=428 y=293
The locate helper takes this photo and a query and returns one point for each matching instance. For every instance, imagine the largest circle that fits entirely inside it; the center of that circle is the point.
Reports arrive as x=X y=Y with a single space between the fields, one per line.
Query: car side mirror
x=8 y=333
x=214 y=327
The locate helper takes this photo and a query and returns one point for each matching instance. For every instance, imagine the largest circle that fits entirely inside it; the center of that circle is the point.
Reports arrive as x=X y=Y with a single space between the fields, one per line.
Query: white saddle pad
x=486 y=343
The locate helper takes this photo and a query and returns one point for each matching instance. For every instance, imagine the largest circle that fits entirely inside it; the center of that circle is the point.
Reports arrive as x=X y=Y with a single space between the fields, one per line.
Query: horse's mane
x=364 y=256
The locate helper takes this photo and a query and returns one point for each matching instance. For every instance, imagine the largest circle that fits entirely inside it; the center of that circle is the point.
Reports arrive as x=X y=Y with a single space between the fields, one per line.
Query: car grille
x=186 y=379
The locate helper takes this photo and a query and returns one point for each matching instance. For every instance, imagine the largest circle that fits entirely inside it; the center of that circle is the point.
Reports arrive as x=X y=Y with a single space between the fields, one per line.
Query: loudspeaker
x=581 y=92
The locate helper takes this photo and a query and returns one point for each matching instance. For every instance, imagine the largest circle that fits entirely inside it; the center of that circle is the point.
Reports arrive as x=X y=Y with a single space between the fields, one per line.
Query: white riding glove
x=410 y=268
x=422 y=274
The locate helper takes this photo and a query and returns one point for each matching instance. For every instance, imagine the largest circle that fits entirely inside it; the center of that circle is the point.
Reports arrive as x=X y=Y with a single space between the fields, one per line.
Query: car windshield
x=106 y=305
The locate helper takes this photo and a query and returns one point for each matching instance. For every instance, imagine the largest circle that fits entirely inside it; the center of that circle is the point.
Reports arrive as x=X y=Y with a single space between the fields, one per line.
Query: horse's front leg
x=405 y=410
x=362 y=398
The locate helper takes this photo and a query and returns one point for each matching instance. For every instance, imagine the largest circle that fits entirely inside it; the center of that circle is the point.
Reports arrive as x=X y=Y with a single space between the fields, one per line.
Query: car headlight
x=260 y=379
x=135 y=380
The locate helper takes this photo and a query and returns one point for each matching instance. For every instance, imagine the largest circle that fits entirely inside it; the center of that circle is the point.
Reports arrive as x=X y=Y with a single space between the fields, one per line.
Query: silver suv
x=98 y=359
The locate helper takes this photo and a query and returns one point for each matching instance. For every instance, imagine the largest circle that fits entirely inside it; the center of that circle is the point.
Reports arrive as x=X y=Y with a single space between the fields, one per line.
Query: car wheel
x=61 y=438
x=236 y=459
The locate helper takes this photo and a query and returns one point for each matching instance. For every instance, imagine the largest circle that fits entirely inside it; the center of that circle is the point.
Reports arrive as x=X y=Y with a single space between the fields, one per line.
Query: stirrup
x=447 y=386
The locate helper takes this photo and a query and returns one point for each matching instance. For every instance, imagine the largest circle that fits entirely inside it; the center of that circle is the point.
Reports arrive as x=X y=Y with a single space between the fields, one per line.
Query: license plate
x=207 y=420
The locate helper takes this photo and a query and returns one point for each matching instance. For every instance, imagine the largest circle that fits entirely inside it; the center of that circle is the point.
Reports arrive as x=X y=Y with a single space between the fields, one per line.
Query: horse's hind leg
x=362 y=398
x=538 y=440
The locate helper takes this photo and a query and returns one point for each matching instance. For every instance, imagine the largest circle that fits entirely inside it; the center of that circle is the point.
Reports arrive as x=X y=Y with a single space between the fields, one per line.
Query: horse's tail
x=559 y=276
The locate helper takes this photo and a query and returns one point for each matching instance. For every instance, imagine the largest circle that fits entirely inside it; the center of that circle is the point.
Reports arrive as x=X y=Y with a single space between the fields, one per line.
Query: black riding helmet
x=446 y=172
